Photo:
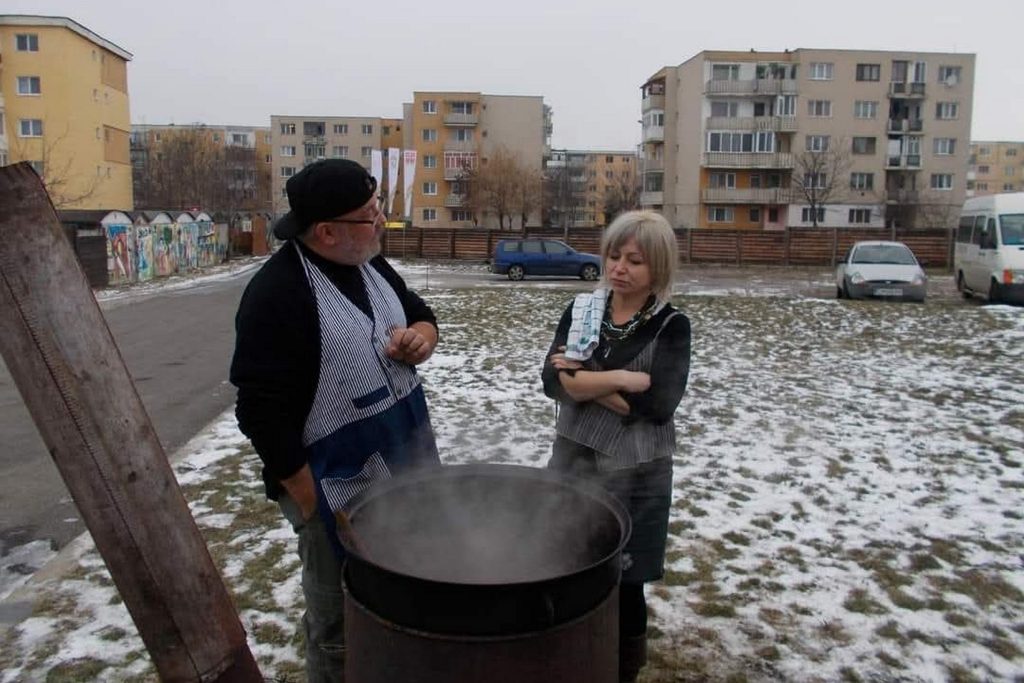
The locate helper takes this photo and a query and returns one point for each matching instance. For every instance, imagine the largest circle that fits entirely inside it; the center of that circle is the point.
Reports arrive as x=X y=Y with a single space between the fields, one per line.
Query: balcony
x=653 y=102
x=652 y=198
x=654 y=134
x=454 y=201
x=906 y=125
x=459 y=146
x=759 y=86
x=747 y=160
x=901 y=197
x=652 y=165
x=457 y=172
x=781 y=124
x=457 y=120
x=731 y=195
x=906 y=161
x=906 y=90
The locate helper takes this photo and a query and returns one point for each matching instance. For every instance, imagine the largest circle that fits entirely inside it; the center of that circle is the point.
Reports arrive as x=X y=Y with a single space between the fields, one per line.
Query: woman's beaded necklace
x=613 y=332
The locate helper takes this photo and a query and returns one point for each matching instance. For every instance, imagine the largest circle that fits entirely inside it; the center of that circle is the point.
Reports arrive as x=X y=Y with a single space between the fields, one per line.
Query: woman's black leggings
x=632 y=610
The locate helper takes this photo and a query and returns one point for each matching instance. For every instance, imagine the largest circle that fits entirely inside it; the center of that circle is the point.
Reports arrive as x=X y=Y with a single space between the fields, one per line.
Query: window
x=1012 y=152
x=942 y=181
x=869 y=72
x=287 y=150
x=287 y=171
x=430 y=188
x=429 y=135
x=860 y=216
x=725 y=72
x=341 y=129
x=730 y=142
x=817 y=143
x=765 y=141
x=755 y=181
x=30 y=128
x=268 y=159
x=367 y=129
x=267 y=138
x=27 y=42
x=1007 y=187
x=862 y=181
x=785 y=105
x=430 y=214
x=819 y=108
x=609 y=174
x=755 y=214
x=313 y=128
x=461 y=215
x=287 y=129
x=947 y=110
x=983 y=169
x=365 y=151
x=216 y=137
x=984 y=151
x=654 y=118
x=773 y=215
x=806 y=214
x=720 y=214
x=3 y=158
x=982 y=186
x=950 y=75
x=722 y=180
x=944 y=146
x=774 y=180
x=609 y=160
x=339 y=151
x=817 y=181
x=863 y=145
x=29 y=85
x=865 y=109
x=724 y=109
x=429 y=161
x=463 y=135
x=239 y=139
x=462 y=107
x=821 y=71
x=429 y=106
x=1009 y=171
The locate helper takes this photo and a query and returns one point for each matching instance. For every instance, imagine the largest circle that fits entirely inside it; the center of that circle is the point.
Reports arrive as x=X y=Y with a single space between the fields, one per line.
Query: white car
x=880 y=270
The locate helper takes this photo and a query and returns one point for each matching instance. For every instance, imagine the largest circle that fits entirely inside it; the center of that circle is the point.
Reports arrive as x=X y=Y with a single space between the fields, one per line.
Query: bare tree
x=622 y=194
x=186 y=168
x=67 y=185
x=563 y=199
x=820 y=176
x=531 y=193
x=495 y=186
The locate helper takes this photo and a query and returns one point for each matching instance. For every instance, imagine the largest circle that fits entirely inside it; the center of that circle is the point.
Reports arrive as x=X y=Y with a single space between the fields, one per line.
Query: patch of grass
x=835 y=469
x=890 y=660
x=1002 y=647
x=957 y=619
x=112 y=633
x=834 y=630
x=920 y=562
x=769 y=652
x=268 y=632
x=849 y=675
x=858 y=600
x=984 y=588
x=736 y=538
x=960 y=674
x=679 y=526
x=76 y=670
x=762 y=523
x=890 y=630
x=714 y=609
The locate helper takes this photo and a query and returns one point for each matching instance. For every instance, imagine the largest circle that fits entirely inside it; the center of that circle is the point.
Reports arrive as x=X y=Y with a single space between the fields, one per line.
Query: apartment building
x=585 y=187
x=244 y=167
x=995 y=167
x=296 y=141
x=765 y=140
x=455 y=131
x=64 y=108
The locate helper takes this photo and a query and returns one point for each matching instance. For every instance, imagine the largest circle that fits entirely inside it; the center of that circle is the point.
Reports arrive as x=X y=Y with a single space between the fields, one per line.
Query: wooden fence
x=792 y=246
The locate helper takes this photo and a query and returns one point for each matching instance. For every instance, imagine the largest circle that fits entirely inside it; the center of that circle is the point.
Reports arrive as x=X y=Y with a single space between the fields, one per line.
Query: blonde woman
x=618 y=367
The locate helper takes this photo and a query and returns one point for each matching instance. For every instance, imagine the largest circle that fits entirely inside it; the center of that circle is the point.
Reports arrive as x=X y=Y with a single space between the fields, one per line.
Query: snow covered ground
x=847 y=495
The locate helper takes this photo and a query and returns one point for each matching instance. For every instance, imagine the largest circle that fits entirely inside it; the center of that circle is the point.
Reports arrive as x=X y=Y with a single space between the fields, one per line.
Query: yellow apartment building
x=64 y=108
x=737 y=140
x=581 y=185
x=996 y=166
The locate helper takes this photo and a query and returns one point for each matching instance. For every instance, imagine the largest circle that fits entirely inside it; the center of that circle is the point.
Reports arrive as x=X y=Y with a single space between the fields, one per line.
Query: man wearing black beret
x=328 y=337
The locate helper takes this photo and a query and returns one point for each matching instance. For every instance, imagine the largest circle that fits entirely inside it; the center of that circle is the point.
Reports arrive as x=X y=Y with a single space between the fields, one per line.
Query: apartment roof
x=70 y=24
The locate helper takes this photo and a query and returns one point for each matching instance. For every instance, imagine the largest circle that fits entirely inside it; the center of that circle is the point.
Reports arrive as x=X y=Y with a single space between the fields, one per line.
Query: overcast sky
x=233 y=62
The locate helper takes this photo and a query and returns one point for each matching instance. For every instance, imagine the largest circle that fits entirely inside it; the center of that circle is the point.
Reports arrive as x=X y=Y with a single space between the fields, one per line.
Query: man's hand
x=412 y=344
x=302 y=490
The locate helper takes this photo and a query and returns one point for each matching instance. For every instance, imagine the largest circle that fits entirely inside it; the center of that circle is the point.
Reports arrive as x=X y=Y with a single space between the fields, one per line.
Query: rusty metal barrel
x=496 y=573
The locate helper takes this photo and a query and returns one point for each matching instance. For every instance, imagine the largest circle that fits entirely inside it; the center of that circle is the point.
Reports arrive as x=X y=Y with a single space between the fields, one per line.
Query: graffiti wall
x=136 y=253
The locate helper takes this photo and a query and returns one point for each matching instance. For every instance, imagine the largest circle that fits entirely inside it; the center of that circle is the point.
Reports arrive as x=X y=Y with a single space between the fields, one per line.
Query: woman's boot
x=632 y=657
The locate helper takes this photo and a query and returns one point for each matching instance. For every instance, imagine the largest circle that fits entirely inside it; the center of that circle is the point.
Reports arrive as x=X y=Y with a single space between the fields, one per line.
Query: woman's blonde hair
x=656 y=240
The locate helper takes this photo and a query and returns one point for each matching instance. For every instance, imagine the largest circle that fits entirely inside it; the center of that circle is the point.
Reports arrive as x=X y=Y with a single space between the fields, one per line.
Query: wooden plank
x=67 y=367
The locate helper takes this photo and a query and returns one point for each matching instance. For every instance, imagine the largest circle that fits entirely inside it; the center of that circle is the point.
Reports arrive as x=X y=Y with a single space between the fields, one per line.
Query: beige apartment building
x=995 y=167
x=64 y=108
x=455 y=131
x=739 y=140
x=247 y=156
x=296 y=141
x=583 y=186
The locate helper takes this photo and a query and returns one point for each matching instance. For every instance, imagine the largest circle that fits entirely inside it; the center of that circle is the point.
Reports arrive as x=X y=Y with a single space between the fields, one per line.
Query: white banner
x=376 y=166
x=409 y=173
x=393 y=157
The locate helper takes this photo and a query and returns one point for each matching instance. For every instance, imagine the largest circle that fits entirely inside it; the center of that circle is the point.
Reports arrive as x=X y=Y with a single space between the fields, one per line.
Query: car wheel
x=516 y=272
x=589 y=272
x=995 y=294
x=839 y=292
x=961 y=287
x=845 y=291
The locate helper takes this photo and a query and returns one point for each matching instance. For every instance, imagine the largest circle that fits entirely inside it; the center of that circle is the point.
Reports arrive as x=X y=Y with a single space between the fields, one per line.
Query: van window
x=979 y=224
x=980 y=233
x=1012 y=228
x=531 y=247
x=963 y=233
x=556 y=248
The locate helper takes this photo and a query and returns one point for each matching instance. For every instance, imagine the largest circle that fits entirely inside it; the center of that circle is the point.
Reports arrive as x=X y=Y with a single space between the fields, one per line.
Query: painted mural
x=164 y=256
x=119 y=253
x=144 y=240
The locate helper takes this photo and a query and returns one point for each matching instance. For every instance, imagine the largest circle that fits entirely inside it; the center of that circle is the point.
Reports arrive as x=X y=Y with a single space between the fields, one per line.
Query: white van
x=989 y=255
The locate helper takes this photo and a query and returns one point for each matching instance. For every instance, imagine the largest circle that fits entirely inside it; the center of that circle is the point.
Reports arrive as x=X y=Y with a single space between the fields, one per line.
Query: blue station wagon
x=519 y=258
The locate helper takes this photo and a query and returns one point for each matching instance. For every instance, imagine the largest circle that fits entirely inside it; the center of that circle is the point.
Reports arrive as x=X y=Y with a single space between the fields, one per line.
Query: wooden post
x=64 y=361
x=689 y=245
x=739 y=248
x=835 y=246
x=785 y=243
x=419 y=242
x=451 y=244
